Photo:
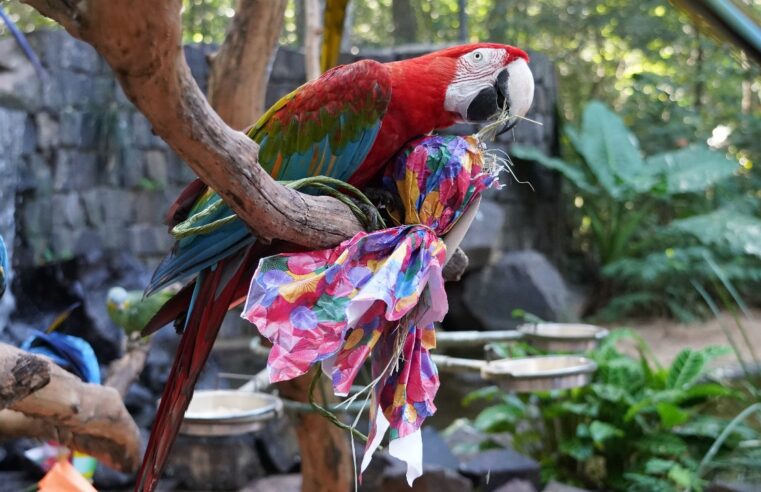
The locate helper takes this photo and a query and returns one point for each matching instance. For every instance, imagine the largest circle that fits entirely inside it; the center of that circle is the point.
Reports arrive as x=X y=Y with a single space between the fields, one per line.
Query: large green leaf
x=671 y=415
x=601 y=431
x=726 y=228
x=686 y=368
x=691 y=169
x=573 y=173
x=611 y=152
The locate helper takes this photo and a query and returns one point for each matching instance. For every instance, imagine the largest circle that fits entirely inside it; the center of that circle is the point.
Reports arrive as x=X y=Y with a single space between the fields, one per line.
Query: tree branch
x=141 y=40
x=86 y=417
x=123 y=371
x=238 y=94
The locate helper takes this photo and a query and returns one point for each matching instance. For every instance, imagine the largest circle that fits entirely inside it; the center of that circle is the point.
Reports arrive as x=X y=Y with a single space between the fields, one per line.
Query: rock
x=214 y=463
x=141 y=404
x=519 y=280
x=554 y=486
x=517 y=486
x=276 y=483
x=133 y=168
x=288 y=66
x=74 y=171
x=196 y=56
x=13 y=481
x=278 y=446
x=118 y=207
x=106 y=478
x=436 y=451
x=76 y=88
x=19 y=85
x=67 y=207
x=722 y=486
x=92 y=134
x=145 y=239
x=156 y=167
x=494 y=468
x=35 y=176
x=47 y=131
x=440 y=470
x=481 y=243
x=29 y=142
x=71 y=128
x=142 y=132
x=93 y=206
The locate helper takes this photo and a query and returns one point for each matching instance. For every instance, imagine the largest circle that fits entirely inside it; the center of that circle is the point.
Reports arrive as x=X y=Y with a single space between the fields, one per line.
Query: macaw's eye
x=478 y=56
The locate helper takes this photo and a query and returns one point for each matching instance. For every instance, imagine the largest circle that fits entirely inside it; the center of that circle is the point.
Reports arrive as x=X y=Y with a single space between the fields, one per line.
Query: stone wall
x=88 y=172
x=83 y=179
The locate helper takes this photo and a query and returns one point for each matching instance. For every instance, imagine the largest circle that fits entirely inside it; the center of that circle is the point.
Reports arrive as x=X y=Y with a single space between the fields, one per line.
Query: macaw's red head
x=477 y=81
x=488 y=78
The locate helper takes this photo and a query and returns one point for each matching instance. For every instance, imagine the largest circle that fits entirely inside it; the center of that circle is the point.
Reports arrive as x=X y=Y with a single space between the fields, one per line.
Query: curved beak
x=515 y=91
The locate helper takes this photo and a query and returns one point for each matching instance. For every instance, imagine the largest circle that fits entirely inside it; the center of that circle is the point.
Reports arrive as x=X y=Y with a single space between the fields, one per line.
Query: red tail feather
x=170 y=311
x=217 y=291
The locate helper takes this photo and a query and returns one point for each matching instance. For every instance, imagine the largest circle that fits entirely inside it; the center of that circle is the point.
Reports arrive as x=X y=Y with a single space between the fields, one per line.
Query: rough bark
x=240 y=70
x=125 y=370
x=21 y=376
x=141 y=40
x=86 y=417
x=326 y=463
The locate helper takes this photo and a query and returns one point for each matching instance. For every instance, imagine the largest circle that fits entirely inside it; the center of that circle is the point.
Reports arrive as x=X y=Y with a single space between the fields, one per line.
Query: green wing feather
x=325 y=127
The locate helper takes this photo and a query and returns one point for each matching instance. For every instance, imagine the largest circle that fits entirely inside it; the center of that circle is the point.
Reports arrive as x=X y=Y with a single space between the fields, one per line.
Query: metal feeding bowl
x=563 y=337
x=543 y=373
x=228 y=412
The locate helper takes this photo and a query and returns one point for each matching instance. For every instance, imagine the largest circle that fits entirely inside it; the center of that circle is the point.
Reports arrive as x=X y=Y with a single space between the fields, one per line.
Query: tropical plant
x=638 y=426
x=650 y=221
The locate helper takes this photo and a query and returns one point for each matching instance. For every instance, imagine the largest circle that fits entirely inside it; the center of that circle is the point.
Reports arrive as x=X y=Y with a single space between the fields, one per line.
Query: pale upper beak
x=518 y=89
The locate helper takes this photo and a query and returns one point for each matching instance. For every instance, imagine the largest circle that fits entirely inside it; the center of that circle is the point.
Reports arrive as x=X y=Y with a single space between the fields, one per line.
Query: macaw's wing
x=325 y=127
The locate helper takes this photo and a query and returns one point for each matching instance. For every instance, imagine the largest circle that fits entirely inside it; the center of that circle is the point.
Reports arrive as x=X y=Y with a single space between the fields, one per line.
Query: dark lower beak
x=503 y=99
x=503 y=96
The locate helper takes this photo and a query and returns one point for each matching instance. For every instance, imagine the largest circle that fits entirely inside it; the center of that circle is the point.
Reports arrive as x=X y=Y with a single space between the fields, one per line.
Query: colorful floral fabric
x=376 y=295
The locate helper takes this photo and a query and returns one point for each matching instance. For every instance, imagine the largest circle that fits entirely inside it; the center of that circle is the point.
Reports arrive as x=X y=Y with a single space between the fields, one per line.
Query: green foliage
x=644 y=217
x=638 y=426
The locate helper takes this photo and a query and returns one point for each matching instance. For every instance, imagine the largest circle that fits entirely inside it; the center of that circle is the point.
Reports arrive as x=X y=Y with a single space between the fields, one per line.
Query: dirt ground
x=667 y=337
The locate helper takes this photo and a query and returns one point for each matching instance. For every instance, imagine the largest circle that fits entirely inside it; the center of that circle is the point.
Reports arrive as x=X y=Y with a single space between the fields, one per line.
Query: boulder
x=518 y=280
x=517 y=486
x=554 y=486
x=214 y=462
x=496 y=467
x=440 y=470
x=481 y=243
x=278 y=446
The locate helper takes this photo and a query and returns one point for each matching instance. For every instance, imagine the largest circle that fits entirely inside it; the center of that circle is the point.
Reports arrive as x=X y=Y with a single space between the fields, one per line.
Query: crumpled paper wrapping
x=376 y=295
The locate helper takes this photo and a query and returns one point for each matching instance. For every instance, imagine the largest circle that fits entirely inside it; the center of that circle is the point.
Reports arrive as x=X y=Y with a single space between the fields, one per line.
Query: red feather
x=217 y=290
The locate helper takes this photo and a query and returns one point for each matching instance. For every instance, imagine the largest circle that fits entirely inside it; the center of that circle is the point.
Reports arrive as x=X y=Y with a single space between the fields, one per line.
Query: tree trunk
x=241 y=68
x=238 y=96
x=326 y=462
x=312 y=36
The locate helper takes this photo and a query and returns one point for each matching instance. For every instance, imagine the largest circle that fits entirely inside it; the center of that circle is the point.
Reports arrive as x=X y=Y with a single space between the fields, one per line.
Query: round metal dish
x=542 y=373
x=563 y=337
x=228 y=412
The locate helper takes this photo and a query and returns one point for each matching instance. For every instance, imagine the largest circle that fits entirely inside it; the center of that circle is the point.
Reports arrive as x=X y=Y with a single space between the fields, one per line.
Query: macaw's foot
x=372 y=214
x=383 y=198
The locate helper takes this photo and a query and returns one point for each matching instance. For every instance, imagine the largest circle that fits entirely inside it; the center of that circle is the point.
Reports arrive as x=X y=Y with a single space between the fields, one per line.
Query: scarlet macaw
x=346 y=124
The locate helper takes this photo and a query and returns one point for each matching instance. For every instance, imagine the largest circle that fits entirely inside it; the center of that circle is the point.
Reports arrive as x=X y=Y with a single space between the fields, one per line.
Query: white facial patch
x=520 y=87
x=476 y=71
